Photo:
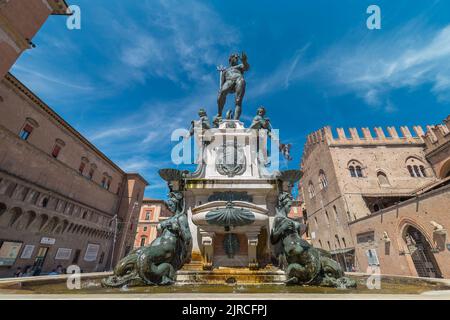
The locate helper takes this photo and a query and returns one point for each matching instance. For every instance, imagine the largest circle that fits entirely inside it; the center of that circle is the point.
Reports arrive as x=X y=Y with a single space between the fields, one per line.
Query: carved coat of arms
x=231 y=159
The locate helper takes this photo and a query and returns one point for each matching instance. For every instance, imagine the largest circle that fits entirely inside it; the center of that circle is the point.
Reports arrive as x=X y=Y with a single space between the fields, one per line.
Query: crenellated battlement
x=437 y=135
x=364 y=136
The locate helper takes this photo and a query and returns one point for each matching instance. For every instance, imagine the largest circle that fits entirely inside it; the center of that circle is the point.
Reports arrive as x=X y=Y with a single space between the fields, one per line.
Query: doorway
x=76 y=256
x=40 y=257
x=421 y=254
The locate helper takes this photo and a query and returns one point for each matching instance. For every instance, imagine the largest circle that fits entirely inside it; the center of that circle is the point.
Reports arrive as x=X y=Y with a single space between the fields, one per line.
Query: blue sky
x=137 y=70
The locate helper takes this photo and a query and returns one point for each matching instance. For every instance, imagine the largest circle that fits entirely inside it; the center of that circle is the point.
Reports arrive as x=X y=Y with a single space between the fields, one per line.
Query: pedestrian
x=27 y=272
x=36 y=271
x=53 y=273
x=18 y=273
x=59 y=269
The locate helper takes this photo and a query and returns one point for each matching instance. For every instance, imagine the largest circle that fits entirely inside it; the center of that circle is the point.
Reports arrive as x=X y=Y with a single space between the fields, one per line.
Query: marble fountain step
x=225 y=275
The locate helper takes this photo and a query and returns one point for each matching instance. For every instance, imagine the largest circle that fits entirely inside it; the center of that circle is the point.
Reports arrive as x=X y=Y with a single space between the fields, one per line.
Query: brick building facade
x=19 y=23
x=380 y=200
x=151 y=214
x=62 y=201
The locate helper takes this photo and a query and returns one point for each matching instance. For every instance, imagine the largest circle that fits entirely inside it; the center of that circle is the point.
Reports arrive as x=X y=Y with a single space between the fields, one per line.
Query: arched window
x=83 y=163
x=338 y=243
x=92 y=171
x=335 y=214
x=355 y=169
x=59 y=144
x=343 y=242
x=323 y=182
x=445 y=170
x=44 y=202
x=311 y=190
x=316 y=222
x=28 y=127
x=327 y=217
x=142 y=241
x=383 y=179
x=416 y=168
x=320 y=243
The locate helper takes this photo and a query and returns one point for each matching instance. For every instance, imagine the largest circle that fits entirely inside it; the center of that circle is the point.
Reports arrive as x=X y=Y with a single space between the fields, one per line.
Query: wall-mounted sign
x=50 y=241
x=372 y=257
x=63 y=254
x=9 y=252
x=27 y=251
x=91 y=252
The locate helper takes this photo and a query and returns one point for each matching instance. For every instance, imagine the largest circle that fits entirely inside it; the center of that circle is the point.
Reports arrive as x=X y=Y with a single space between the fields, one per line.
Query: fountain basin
x=392 y=287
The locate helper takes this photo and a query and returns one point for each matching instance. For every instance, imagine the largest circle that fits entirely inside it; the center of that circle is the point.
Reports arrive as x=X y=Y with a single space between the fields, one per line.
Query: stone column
x=252 y=238
x=208 y=249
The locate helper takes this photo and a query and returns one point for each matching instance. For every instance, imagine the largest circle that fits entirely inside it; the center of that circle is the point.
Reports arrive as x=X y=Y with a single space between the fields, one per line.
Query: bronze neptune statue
x=232 y=81
x=303 y=264
x=157 y=263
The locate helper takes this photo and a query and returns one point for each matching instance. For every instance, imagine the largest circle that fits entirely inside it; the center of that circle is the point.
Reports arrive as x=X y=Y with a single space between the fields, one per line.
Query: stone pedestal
x=230 y=197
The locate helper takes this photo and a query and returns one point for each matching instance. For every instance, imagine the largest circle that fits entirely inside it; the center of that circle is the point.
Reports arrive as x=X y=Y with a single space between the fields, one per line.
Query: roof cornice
x=37 y=101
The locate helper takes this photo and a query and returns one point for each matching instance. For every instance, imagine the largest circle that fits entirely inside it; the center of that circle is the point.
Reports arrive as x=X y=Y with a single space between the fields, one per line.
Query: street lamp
x=114 y=241
x=135 y=205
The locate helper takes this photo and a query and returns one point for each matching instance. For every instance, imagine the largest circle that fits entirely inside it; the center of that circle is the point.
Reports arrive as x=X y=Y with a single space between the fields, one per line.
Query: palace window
x=28 y=128
x=26 y=132
x=323 y=180
x=311 y=190
x=142 y=241
x=335 y=214
x=44 y=203
x=82 y=167
x=56 y=151
x=383 y=179
x=147 y=215
x=338 y=243
x=83 y=163
x=106 y=181
x=145 y=229
x=59 y=144
x=416 y=168
x=91 y=173
x=327 y=217
x=355 y=169
x=102 y=257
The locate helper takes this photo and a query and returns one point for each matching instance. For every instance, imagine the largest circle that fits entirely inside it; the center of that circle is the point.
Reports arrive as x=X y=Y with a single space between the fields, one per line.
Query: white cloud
x=374 y=66
x=408 y=58
x=180 y=41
